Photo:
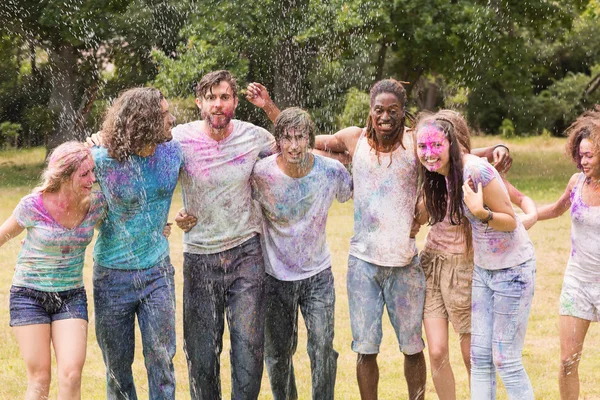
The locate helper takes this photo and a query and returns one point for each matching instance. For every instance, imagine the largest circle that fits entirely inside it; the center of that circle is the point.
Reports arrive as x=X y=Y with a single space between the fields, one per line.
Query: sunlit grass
x=540 y=170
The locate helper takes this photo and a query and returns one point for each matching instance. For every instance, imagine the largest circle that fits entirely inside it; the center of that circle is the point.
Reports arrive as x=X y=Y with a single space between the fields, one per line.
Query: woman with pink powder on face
x=580 y=295
x=48 y=302
x=504 y=270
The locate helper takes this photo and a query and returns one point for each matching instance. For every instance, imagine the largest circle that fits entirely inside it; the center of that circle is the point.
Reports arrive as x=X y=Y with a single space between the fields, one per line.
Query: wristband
x=489 y=217
x=502 y=145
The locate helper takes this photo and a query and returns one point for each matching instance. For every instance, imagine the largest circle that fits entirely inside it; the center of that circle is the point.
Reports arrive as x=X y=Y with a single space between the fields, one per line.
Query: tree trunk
x=291 y=70
x=431 y=96
x=32 y=59
x=62 y=97
x=292 y=59
x=380 y=61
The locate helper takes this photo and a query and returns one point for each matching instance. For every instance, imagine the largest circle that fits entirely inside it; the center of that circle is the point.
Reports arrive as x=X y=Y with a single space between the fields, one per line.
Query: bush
x=38 y=122
x=184 y=109
x=9 y=133
x=507 y=129
x=356 y=109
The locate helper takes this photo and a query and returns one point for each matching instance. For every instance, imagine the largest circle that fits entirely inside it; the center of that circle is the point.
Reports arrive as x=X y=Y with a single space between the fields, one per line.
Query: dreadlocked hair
x=394 y=87
x=444 y=195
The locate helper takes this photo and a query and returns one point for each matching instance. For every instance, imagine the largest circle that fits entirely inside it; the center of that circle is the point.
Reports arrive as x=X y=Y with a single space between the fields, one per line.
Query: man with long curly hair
x=223 y=268
x=137 y=169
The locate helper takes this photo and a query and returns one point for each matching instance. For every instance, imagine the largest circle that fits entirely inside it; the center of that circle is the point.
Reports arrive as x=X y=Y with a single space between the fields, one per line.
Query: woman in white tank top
x=580 y=295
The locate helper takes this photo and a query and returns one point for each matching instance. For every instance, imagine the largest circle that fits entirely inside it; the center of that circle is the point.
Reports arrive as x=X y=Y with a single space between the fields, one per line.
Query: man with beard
x=223 y=266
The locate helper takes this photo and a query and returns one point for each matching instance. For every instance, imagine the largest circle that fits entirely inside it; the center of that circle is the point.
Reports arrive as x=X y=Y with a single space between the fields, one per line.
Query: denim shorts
x=400 y=289
x=30 y=306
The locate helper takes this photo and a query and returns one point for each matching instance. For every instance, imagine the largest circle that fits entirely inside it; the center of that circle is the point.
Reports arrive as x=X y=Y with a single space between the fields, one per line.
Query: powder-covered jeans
x=232 y=283
x=315 y=296
x=500 y=309
x=120 y=295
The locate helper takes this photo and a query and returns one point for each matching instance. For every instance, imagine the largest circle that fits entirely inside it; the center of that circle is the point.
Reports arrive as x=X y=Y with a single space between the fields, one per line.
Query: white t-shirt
x=385 y=195
x=295 y=214
x=215 y=182
x=494 y=249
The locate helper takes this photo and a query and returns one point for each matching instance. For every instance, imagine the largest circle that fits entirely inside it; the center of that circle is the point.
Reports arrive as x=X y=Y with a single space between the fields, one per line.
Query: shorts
x=400 y=289
x=30 y=306
x=448 y=296
x=580 y=299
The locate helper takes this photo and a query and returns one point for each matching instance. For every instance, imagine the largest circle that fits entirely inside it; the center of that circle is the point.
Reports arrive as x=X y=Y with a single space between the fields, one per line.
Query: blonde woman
x=48 y=303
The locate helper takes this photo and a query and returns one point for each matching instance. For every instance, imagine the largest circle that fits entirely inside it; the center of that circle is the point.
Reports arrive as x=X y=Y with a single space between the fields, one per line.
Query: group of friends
x=255 y=249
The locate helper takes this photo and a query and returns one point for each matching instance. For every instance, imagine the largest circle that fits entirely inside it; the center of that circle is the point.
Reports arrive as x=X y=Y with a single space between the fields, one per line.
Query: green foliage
x=356 y=109
x=526 y=61
x=507 y=129
x=80 y=39
x=184 y=109
x=9 y=132
x=39 y=121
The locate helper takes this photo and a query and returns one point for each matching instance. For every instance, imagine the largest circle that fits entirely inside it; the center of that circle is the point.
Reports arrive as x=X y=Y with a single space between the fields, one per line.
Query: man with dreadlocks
x=383 y=267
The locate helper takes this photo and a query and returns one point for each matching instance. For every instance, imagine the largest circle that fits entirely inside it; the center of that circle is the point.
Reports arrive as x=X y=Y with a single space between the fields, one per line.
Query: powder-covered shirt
x=295 y=214
x=51 y=258
x=138 y=191
x=215 y=184
x=385 y=194
x=584 y=261
x=494 y=249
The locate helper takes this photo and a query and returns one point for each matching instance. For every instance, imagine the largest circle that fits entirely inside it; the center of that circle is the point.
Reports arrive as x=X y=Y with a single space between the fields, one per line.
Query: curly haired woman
x=580 y=295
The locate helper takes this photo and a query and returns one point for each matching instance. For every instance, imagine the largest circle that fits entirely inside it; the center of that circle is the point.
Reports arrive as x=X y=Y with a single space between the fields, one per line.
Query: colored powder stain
x=239 y=160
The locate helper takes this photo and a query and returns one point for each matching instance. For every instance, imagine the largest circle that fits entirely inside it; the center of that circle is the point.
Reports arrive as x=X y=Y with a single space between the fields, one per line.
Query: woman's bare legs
x=34 y=343
x=572 y=331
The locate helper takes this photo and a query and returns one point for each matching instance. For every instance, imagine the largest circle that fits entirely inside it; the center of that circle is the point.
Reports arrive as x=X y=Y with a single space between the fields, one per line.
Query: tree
x=81 y=39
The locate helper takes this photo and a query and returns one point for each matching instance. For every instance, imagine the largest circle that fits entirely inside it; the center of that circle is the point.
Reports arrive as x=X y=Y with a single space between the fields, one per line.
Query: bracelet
x=502 y=145
x=489 y=217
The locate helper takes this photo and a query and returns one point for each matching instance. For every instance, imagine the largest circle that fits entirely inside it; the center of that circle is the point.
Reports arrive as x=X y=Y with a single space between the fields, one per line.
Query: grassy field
x=540 y=170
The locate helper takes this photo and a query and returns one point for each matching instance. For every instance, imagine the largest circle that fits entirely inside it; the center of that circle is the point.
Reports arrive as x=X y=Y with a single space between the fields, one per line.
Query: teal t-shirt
x=51 y=259
x=138 y=192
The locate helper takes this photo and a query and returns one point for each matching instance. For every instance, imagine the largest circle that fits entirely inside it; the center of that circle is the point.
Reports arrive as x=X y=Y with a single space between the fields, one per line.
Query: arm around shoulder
x=525 y=203
x=340 y=142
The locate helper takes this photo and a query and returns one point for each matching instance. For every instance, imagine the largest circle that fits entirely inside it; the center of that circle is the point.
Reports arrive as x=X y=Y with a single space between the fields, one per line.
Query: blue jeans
x=230 y=282
x=316 y=298
x=118 y=296
x=500 y=309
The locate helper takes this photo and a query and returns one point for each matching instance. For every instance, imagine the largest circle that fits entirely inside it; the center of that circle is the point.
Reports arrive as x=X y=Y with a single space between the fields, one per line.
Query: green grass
x=540 y=170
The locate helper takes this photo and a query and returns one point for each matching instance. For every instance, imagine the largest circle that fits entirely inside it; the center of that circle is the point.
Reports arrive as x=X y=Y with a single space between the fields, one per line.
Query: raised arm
x=525 y=203
x=9 y=230
x=258 y=95
x=561 y=205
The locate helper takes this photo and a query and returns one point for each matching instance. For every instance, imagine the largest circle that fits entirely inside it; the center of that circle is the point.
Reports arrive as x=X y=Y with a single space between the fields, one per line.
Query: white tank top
x=384 y=203
x=584 y=262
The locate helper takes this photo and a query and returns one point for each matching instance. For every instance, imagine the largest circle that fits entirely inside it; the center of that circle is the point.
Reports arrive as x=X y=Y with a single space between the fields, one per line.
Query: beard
x=217 y=121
